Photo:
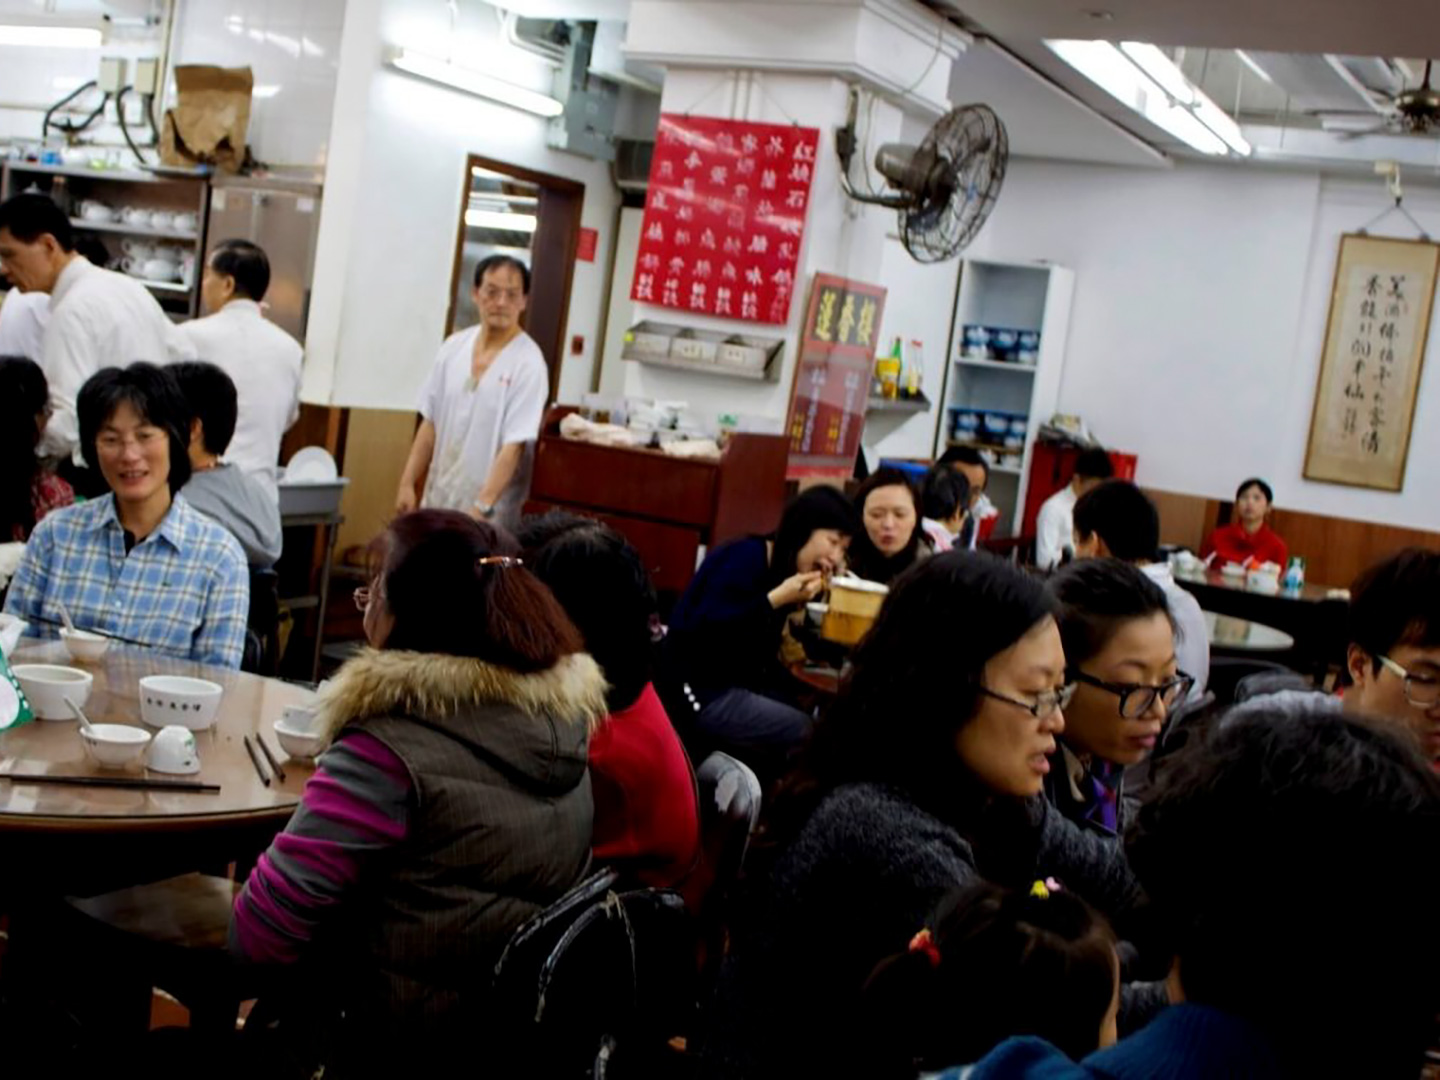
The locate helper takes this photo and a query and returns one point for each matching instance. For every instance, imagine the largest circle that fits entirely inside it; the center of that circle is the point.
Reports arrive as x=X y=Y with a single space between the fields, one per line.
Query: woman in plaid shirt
x=138 y=563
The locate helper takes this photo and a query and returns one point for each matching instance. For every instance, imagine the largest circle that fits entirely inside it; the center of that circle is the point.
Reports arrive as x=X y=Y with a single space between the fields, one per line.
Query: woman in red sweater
x=1249 y=539
x=647 y=821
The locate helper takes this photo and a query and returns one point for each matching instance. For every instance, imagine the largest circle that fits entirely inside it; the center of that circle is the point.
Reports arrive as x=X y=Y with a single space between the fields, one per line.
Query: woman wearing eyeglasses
x=926 y=774
x=1119 y=640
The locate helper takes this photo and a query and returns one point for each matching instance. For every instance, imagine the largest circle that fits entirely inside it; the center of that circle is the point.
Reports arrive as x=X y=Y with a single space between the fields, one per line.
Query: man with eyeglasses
x=1393 y=659
x=481 y=407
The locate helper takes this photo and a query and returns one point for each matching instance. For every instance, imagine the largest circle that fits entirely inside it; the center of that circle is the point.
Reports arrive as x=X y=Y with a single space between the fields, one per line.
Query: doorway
x=535 y=217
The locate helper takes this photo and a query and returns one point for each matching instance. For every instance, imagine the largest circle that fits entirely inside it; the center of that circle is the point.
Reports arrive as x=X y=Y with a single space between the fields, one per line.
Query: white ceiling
x=1357 y=27
x=1383 y=28
x=1041 y=119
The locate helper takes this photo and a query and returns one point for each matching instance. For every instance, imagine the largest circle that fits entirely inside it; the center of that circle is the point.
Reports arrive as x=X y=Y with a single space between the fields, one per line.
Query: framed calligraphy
x=724 y=216
x=1380 y=309
x=832 y=379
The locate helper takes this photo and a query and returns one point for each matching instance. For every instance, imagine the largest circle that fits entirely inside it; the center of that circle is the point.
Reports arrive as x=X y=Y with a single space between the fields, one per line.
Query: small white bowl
x=48 y=686
x=175 y=699
x=84 y=644
x=114 y=746
x=300 y=745
x=1234 y=570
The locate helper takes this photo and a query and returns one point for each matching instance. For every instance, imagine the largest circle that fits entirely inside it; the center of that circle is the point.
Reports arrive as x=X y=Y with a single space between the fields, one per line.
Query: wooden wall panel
x=377 y=445
x=1335 y=549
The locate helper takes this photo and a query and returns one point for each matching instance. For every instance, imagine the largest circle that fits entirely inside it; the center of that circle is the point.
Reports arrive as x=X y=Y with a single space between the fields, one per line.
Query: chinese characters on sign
x=832 y=379
x=1374 y=351
x=724 y=217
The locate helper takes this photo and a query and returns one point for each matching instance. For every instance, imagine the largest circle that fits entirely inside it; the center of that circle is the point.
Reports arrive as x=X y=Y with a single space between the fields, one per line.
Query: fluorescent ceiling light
x=1249 y=61
x=501 y=222
x=475 y=82
x=52 y=34
x=1143 y=78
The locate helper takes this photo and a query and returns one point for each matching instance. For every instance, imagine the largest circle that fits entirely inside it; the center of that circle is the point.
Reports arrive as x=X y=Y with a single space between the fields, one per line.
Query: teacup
x=135 y=215
x=92 y=210
x=162 y=219
x=173 y=751
x=137 y=248
x=187 y=222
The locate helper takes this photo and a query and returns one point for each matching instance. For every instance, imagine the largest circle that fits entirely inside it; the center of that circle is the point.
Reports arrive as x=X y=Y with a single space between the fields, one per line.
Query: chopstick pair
x=255 y=759
x=132 y=782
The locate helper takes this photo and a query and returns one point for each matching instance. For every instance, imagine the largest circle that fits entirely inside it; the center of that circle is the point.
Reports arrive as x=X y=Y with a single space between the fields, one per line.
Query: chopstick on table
x=255 y=760
x=265 y=749
x=113 y=637
x=133 y=782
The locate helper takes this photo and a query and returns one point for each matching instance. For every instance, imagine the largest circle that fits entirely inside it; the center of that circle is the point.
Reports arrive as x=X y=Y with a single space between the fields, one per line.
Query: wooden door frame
x=559 y=184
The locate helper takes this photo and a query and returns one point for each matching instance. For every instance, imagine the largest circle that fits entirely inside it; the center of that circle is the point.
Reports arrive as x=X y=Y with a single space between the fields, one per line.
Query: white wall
x=292 y=48
x=394 y=186
x=1200 y=305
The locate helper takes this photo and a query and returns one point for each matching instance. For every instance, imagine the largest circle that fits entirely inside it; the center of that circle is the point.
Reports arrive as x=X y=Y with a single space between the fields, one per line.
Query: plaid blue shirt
x=183 y=590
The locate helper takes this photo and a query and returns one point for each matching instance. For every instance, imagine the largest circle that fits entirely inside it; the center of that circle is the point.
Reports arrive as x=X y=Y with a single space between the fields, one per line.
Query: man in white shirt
x=23 y=318
x=261 y=359
x=1054 y=527
x=98 y=318
x=481 y=407
x=1117 y=520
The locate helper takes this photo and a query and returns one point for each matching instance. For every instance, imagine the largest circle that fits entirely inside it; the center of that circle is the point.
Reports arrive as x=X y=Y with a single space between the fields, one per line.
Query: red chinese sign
x=832 y=379
x=724 y=215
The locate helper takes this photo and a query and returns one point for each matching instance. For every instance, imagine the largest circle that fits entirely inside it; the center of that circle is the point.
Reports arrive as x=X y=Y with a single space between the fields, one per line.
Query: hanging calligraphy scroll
x=724 y=214
x=832 y=379
x=1370 y=371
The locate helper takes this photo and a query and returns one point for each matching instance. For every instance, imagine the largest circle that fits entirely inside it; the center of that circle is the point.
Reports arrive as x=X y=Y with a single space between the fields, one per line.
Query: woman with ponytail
x=452 y=804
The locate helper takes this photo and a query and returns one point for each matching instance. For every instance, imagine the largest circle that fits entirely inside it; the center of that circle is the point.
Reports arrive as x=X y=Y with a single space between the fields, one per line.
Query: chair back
x=1227 y=673
x=565 y=985
x=262 y=626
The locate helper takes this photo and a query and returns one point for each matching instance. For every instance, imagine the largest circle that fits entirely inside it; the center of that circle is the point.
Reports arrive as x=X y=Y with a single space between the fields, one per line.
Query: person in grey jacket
x=217 y=489
x=926 y=774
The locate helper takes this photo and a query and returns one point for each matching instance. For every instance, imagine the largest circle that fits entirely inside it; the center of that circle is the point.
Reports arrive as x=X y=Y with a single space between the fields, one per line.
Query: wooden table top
x=250 y=706
x=1242 y=635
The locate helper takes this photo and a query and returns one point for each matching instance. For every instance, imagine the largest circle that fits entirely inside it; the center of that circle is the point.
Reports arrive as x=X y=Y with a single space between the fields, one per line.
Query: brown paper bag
x=208 y=123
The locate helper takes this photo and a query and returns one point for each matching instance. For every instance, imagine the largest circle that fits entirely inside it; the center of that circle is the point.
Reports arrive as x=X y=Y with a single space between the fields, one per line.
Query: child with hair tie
x=993 y=963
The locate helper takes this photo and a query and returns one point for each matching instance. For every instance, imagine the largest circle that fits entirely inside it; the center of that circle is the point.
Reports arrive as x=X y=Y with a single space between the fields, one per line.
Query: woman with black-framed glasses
x=1119 y=639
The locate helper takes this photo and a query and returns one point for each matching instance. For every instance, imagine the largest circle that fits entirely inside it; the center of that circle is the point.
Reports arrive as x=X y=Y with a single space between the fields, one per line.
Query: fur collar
x=433 y=685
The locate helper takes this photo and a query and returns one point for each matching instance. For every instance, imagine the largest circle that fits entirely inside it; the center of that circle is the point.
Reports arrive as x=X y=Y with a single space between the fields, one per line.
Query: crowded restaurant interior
x=719 y=538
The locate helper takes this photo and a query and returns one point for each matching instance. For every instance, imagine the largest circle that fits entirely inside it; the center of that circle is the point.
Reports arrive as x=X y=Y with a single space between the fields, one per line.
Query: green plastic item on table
x=14 y=706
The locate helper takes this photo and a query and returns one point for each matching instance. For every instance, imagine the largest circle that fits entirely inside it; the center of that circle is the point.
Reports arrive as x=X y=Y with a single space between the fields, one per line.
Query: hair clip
x=502 y=561
x=1042 y=890
x=924 y=942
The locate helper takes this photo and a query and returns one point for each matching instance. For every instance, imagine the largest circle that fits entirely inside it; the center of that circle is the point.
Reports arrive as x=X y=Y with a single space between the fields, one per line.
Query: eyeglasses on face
x=1045 y=705
x=1135 y=699
x=492 y=293
x=1422 y=691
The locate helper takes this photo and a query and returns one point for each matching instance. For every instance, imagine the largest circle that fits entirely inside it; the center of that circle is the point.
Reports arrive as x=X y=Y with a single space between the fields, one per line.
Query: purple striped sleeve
x=355 y=807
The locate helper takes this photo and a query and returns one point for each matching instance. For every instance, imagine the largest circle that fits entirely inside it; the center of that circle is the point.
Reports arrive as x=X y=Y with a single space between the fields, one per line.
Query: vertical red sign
x=832 y=379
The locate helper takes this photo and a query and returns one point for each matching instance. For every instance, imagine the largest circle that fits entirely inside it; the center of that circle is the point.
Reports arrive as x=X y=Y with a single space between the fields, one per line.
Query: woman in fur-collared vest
x=453 y=801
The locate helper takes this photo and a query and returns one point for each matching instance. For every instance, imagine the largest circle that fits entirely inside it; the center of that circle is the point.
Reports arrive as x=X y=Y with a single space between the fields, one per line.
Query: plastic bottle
x=1294 y=579
x=914 y=369
x=887 y=372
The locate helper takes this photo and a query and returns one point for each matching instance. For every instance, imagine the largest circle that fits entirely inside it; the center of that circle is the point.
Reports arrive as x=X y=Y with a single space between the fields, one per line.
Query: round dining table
x=78 y=837
x=1233 y=634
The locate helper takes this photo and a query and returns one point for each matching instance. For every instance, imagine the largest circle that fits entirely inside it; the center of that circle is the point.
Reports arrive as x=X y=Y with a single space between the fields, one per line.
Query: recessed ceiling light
x=1101 y=16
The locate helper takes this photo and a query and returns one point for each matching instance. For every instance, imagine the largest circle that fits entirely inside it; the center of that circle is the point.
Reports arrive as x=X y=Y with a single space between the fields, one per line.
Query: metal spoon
x=80 y=715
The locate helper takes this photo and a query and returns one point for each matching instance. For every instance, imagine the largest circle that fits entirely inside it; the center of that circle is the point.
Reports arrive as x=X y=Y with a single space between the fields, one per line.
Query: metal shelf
x=898 y=405
x=124 y=176
x=700 y=367
x=174 y=287
x=995 y=365
x=132 y=230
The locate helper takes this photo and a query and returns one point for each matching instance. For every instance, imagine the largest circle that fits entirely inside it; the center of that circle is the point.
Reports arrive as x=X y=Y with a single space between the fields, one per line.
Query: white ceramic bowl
x=301 y=745
x=48 y=686
x=113 y=746
x=175 y=699
x=84 y=645
x=1234 y=570
x=174 y=751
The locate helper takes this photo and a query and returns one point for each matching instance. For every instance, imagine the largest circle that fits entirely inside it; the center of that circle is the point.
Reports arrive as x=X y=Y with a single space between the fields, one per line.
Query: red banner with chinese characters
x=832 y=379
x=724 y=216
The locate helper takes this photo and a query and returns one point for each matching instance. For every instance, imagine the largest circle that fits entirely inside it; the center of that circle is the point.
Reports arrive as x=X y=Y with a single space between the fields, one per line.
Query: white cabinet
x=1001 y=382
